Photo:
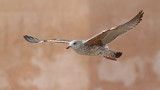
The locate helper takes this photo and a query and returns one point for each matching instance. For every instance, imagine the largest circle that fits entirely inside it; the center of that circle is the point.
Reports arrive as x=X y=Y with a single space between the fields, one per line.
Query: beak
x=68 y=47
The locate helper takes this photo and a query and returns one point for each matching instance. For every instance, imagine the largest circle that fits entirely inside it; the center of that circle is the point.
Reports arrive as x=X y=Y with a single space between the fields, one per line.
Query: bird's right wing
x=36 y=40
x=107 y=36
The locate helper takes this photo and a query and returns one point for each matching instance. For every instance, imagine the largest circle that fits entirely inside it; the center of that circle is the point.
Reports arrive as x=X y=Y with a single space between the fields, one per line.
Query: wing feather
x=107 y=36
x=36 y=40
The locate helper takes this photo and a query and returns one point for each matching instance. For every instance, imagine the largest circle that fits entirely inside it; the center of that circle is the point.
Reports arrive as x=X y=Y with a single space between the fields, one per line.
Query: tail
x=118 y=54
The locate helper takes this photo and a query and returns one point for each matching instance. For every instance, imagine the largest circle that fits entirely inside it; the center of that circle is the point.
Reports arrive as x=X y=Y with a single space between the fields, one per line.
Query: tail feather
x=118 y=54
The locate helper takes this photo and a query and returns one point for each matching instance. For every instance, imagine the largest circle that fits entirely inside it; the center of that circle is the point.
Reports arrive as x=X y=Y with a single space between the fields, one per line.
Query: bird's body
x=96 y=45
x=94 y=50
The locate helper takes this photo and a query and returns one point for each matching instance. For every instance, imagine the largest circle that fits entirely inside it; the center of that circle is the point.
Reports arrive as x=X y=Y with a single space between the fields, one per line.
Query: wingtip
x=139 y=15
x=141 y=12
x=26 y=37
x=31 y=39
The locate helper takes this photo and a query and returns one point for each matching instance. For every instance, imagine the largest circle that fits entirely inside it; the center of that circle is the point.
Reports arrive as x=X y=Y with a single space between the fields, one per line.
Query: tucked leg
x=110 y=58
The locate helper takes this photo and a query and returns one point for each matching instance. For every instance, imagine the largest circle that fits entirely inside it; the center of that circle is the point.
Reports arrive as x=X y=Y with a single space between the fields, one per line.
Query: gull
x=96 y=45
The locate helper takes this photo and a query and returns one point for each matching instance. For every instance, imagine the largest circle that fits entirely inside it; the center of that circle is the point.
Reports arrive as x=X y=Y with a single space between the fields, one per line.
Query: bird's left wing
x=107 y=36
x=36 y=40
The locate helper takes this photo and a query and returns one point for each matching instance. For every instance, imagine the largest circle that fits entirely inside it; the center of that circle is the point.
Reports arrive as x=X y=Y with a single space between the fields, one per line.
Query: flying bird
x=96 y=45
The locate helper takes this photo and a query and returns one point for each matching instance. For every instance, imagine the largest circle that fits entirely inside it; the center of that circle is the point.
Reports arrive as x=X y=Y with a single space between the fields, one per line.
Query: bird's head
x=75 y=44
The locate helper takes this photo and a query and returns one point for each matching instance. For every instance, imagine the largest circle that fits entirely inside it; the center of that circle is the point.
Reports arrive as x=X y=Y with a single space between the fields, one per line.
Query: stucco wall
x=48 y=66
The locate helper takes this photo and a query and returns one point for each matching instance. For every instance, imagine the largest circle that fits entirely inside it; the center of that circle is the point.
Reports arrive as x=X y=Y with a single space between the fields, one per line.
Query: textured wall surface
x=48 y=66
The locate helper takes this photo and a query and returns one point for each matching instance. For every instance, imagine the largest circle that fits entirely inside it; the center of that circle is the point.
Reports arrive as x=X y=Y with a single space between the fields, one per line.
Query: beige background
x=48 y=66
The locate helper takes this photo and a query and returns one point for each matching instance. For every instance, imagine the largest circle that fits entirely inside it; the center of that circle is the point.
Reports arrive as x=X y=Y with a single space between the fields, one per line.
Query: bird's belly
x=92 y=51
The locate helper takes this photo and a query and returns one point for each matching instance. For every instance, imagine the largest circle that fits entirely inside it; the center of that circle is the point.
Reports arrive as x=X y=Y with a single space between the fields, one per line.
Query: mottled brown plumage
x=107 y=36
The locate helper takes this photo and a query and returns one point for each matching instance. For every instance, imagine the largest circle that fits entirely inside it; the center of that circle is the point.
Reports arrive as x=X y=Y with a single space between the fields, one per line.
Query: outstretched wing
x=36 y=40
x=107 y=36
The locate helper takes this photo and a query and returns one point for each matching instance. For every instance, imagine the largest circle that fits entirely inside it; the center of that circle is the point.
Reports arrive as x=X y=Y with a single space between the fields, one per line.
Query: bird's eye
x=74 y=43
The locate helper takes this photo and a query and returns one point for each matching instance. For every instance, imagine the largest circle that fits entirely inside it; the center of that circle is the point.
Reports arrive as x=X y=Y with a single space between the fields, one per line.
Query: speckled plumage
x=94 y=50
